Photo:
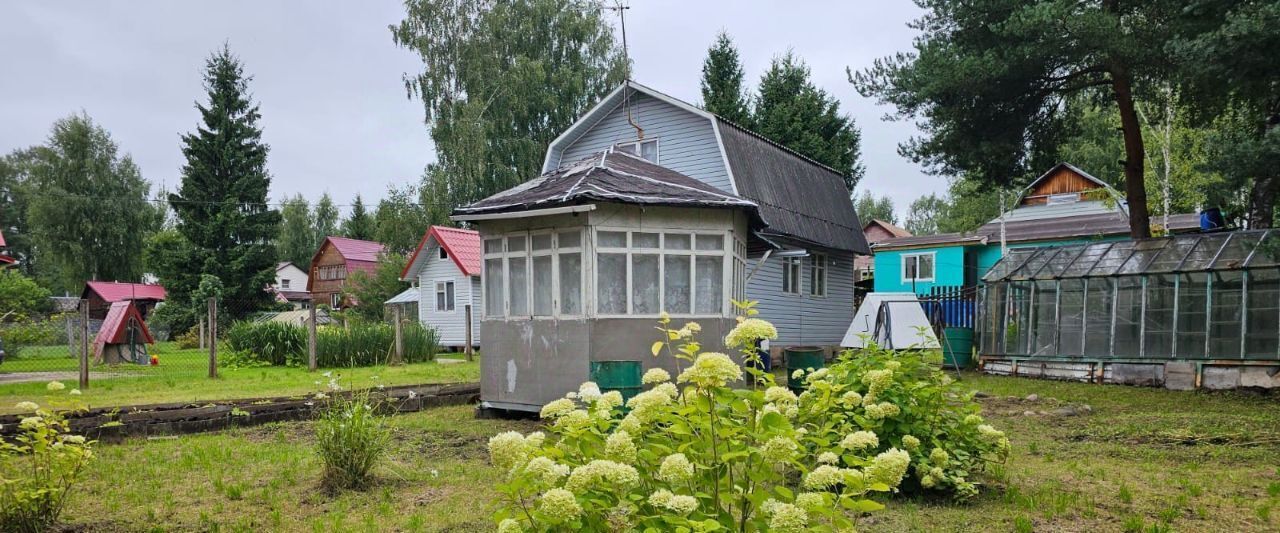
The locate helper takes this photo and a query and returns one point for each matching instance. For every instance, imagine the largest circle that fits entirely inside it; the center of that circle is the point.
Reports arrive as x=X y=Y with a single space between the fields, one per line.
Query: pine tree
x=325 y=219
x=297 y=241
x=722 y=90
x=221 y=206
x=359 y=225
x=793 y=112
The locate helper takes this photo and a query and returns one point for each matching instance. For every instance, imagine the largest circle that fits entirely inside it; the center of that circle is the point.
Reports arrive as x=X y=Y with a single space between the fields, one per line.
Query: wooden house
x=103 y=294
x=875 y=230
x=446 y=269
x=333 y=263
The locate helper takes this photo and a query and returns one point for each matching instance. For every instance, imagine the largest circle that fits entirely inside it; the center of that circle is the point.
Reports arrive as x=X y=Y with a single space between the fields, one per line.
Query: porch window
x=918 y=267
x=818 y=275
x=533 y=274
x=444 y=296
x=791 y=275
x=645 y=273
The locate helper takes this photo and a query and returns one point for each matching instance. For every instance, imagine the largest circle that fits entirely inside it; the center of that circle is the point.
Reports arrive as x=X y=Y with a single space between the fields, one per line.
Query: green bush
x=275 y=343
x=38 y=468
x=351 y=439
x=372 y=343
x=909 y=404
x=188 y=340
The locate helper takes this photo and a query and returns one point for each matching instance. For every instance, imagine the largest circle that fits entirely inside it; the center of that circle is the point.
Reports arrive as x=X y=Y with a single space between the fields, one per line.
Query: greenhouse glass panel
x=1046 y=318
x=992 y=315
x=1158 y=316
x=1008 y=264
x=1202 y=255
x=1098 y=298
x=1236 y=250
x=1033 y=264
x=1128 y=317
x=1225 y=314
x=1018 y=322
x=1143 y=253
x=1116 y=256
x=1085 y=261
x=1172 y=254
x=1192 y=302
x=1059 y=263
x=1262 y=336
x=1071 y=316
x=1267 y=252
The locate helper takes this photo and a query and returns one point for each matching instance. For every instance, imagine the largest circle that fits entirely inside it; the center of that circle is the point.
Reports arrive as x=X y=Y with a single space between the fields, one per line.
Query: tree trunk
x=1134 y=182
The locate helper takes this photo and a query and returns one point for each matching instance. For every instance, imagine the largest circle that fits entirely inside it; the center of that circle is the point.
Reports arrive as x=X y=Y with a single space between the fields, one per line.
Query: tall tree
x=723 y=92
x=89 y=214
x=297 y=241
x=926 y=213
x=359 y=224
x=869 y=207
x=372 y=290
x=400 y=220
x=500 y=80
x=221 y=206
x=988 y=79
x=793 y=112
x=15 y=183
x=325 y=219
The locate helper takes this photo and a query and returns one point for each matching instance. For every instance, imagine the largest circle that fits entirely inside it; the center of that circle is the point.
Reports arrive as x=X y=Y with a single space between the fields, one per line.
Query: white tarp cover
x=899 y=328
x=409 y=296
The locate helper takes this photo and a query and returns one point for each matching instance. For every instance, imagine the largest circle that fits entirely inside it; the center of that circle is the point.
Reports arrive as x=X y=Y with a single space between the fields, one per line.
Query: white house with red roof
x=4 y=259
x=446 y=268
x=336 y=259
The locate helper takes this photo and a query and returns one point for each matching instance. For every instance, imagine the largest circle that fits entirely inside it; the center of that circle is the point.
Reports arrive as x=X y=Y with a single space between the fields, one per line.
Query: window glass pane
x=492 y=246
x=649 y=151
x=1263 y=334
x=1236 y=250
x=516 y=243
x=1171 y=255
x=677 y=241
x=1144 y=252
x=909 y=270
x=992 y=318
x=644 y=284
x=613 y=239
x=628 y=148
x=1128 y=316
x=1224 y=318
x=710 y=278
x=1032 y=265
x=570 y=239
x=519 y=273
x=1046 y=319
x=541 y=242
x=1191 y=314
x=791 y=274
x=542 y=283
x=1086 y=260
x=1158 y=318
x=570 y=284
x=644 y=240
x=926 y=267
x=448 y=296
x=493 y=284
x=1204 y=251
x=710 y=242
x=1097 y=342
x=440 y=303
x=1267 y=253
x=1112 y=260
x=676 y=283
x=611 y=284
x=1071 y=316
x=1018 y=321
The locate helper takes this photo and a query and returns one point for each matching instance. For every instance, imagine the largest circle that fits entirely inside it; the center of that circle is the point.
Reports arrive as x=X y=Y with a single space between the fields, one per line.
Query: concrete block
x=1146 y=375
x=1267 y=377
x=1220 y=377
x=1180 y=376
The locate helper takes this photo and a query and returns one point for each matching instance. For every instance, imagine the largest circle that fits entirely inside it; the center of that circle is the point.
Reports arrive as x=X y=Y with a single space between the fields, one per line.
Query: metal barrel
x=802 y=357
x=957 y=347
x=622 y=376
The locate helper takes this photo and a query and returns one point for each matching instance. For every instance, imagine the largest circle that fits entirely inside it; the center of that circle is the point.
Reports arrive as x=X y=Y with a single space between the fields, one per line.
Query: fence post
x=311 y=339
x=213 y=337
x=468 y=317
x=84 y=344
x=399 y=360
x=202 y=345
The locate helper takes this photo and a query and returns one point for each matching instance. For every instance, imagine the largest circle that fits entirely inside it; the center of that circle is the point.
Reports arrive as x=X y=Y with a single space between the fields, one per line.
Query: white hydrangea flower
x=654 y=376
x=619 y=447
x=785 y=517
x=510 y=525
x=508 y=450
x=26 y=406
x=604 y=474
x=557 y=408
x=828 y=458
x=711 y=369
x=823 y=477
x=55 y=386
x=675 y=469
x=778 y=450
x=889 y=467
x=589 y=392
x=559 y=505
x=749 y=331
x=859 y=440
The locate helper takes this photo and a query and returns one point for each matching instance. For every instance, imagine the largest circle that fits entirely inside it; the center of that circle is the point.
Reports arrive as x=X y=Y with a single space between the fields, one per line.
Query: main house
x=646 y=205
x=338 y=258
x=1065 y=205
x=446 y=268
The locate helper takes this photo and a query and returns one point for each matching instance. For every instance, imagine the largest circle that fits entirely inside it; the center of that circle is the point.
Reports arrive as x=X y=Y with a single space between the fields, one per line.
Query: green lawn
x=182 y=376
x=1142 y=460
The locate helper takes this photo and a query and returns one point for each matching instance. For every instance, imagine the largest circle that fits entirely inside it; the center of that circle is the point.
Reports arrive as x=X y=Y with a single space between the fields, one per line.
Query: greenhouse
x=1202 y=298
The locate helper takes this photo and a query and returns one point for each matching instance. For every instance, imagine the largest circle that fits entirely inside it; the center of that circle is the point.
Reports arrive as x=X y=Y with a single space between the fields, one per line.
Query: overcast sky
x=328 y=78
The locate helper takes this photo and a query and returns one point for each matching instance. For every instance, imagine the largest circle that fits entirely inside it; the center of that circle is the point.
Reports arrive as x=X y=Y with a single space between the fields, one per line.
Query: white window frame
x=906 y=259
x=818 y=272
x=729 y=288
x=284 y=283
x=335 y=300
x=637 y=145
x=442 y=288
x=792 y=273
x=505 y=256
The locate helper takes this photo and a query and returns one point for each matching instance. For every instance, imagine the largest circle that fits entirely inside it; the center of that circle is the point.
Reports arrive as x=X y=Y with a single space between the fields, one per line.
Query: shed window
x=533 y=274
x=646 y=273
x=918 y=267
x=818 y=275
x=444 y=296
x=791 y=275
x=646 y=149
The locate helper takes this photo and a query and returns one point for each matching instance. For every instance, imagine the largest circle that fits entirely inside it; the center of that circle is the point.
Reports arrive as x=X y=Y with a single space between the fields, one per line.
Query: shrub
x=695 y=455
x=372 y=343
x=351 y=439
x=38 y=468
x=188 y=340
x=908 y=404
x=275 y=343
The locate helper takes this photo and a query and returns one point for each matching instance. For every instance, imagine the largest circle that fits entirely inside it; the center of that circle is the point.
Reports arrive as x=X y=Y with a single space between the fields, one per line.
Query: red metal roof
x=2 y=239
x=115 y=328
x=355 y=249
x=462 y=245
x=115 y=291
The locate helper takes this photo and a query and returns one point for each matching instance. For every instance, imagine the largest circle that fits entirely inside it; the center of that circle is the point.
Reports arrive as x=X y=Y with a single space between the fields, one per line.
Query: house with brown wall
x=876 y=230
x=332 y=265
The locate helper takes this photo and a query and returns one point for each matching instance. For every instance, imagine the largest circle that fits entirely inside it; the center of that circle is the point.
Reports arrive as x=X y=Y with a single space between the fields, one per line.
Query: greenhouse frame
x=1183 y=311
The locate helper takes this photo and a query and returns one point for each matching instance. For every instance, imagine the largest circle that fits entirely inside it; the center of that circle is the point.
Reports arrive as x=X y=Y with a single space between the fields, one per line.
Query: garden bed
x=115 y=424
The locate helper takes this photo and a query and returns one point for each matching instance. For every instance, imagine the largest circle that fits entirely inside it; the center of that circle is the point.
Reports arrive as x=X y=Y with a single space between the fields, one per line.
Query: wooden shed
x=123 y=337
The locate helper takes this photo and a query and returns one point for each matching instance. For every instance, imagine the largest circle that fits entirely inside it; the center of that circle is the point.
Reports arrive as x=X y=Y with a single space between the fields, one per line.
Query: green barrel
x=622 y=376
x=802 y=357
x=957 y=347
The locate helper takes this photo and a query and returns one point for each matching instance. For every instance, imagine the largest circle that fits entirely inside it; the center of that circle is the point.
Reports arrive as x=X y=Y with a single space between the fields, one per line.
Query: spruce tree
x=359 y=225
x=221 y=206
x=722 y=90
x=325 y=219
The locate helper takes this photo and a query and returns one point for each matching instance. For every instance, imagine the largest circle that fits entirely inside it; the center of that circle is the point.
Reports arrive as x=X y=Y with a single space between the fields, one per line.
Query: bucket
x=622 y=376
x=957 y=347
x=802 y=357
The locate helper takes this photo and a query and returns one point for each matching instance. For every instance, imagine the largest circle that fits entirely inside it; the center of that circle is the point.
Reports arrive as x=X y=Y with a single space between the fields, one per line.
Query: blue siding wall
x=686 y=142
x=802 y=319
x=948 y=269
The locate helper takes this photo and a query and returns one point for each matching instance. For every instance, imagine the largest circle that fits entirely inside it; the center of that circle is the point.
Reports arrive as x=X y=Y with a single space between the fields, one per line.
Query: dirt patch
x=452 y=444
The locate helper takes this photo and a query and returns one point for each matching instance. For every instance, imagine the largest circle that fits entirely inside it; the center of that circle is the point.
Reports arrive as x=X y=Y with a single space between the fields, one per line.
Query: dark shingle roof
x=798 y=197
x=610 y=177
x=1040 y=229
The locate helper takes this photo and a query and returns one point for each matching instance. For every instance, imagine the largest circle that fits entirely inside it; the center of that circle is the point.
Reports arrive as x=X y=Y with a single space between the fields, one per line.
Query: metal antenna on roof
x=621 y=8
x=1004 y=247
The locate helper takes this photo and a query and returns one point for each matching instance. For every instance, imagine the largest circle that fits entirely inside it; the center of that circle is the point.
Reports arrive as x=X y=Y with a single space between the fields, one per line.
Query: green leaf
x=784 y=492
x=657 y=347
x=866 y=506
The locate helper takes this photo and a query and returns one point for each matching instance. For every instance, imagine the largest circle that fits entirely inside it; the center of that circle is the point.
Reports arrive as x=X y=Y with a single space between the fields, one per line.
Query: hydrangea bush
x=720 y=447
x=40 y=465
x=874 y=400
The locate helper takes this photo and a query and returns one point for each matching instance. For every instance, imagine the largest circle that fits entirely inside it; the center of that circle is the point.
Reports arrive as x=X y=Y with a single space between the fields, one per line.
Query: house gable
x=1064 y=183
